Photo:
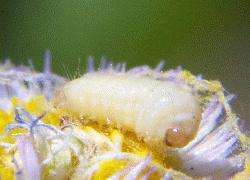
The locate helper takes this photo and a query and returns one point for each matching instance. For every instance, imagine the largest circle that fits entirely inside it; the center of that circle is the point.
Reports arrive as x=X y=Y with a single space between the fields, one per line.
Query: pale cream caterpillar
x=158 y=111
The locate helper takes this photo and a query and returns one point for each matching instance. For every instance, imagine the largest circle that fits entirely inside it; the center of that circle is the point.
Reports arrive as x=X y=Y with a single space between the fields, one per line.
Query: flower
x=40 y=141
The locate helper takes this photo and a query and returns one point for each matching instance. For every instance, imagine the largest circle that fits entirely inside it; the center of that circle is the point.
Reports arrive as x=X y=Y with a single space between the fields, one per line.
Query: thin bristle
x=110 y=66
x=30 y=63
x=78 y=72
x=90 y=64
x=103 y=64
x=118 y=67
x=67 y=72
x=47 y=62
x=123 y=68
x=230 y=98
x=160 y=66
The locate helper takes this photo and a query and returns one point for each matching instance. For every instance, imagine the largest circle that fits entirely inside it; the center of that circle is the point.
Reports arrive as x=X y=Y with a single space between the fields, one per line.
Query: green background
x=207 y=37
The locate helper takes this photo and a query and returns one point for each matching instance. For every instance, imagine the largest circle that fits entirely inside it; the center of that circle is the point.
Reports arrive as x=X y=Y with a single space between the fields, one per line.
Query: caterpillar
x=159 y=112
